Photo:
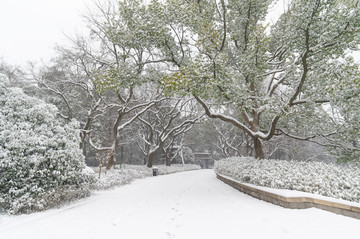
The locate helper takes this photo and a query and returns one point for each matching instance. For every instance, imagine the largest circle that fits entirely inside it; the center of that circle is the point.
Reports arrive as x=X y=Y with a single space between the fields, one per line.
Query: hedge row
x=332 y=180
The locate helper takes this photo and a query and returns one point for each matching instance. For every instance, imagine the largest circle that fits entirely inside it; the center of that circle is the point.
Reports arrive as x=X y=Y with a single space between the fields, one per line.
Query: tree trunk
x=151 y=159
x=112 y=154
x=111 y=160
x=168 y=156
x=121 y=149
x=168 y=161
x=258 y=148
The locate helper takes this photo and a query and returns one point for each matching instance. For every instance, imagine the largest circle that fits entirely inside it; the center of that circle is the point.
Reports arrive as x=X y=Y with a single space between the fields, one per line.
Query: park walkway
x=184 y=205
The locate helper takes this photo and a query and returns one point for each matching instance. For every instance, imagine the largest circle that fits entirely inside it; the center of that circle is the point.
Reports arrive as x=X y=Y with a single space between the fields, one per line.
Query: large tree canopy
x=275 y=79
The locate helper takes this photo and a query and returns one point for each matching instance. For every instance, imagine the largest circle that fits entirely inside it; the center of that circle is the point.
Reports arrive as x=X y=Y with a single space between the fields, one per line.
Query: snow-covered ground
x=184 y=205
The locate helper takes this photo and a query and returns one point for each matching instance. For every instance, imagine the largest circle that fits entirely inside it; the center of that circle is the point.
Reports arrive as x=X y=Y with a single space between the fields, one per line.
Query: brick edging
x=294 y=202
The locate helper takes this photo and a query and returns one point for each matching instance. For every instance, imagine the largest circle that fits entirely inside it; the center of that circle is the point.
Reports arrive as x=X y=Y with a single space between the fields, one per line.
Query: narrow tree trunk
x=258 y=148
x=182 y=157
x=121 y=155
x=100 y=165
x=168 y=156
x=168 y=161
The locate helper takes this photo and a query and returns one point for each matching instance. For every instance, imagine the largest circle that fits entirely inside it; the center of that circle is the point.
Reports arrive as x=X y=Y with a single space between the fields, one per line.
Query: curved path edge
x=292 y=202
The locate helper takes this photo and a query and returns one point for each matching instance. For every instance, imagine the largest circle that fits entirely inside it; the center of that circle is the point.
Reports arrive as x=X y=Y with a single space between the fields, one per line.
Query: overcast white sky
x=29 y=29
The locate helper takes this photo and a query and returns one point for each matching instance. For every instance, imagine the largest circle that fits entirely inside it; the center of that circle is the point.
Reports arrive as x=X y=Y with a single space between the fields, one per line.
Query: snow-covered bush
x=332 y=180
x=41 y=164
x=127 y=173
x=117 y=177
x=176 y=168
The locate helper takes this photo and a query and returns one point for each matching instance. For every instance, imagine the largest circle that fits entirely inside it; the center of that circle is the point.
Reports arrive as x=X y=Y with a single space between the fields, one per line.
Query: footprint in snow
x=169 y=235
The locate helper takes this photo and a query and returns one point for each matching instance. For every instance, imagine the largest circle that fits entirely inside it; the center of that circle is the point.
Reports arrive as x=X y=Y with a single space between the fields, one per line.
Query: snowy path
x=184 y=205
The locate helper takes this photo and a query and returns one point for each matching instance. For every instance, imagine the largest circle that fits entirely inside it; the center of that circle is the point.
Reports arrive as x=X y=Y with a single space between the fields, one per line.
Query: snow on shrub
x=41 y=164
x=116 y=177
x=127 y=173
x=332 y=180
x=176 y=168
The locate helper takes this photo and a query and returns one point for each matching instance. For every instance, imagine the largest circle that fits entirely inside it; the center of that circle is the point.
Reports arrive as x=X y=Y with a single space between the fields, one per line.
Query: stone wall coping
x=295 y=199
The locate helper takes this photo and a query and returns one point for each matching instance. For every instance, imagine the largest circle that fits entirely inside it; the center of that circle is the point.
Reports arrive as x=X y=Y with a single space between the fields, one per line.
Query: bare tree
x=230 y=141
x=163 y=125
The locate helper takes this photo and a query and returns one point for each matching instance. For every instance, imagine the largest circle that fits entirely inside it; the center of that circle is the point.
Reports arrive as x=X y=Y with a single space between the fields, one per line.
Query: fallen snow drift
x=331 y=180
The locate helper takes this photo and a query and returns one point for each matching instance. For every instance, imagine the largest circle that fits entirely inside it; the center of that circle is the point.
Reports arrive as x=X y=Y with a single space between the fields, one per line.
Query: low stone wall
x=294 y=202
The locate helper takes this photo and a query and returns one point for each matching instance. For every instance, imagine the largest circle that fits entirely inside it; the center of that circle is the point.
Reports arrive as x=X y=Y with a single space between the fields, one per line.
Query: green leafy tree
x=271 y=79
x=278 y=78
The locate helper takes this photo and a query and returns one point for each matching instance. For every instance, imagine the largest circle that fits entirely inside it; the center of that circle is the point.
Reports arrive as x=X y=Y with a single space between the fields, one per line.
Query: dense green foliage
x=41 y=164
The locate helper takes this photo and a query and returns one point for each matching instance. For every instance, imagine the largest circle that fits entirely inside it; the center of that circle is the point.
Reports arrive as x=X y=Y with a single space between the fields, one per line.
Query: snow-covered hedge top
x=332 y=180
x=127 y=173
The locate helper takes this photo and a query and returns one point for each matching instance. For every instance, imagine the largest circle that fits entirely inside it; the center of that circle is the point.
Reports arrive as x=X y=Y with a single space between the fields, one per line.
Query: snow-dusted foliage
x=127 y=173
x=41 y=164
x=116 y=177
x=332 y=180
x=175 y=168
